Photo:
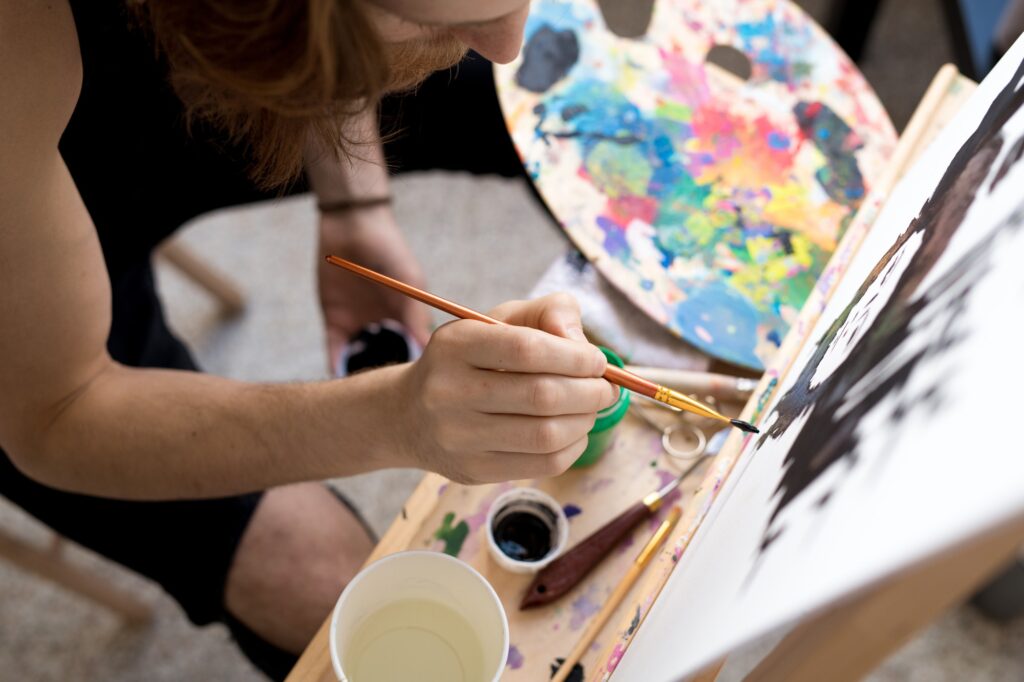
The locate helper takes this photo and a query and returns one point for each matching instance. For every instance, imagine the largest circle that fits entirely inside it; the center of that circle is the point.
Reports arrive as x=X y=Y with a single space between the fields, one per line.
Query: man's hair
x=272 y=74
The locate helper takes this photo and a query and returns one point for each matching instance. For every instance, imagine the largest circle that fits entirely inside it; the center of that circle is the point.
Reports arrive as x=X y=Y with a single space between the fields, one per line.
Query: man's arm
x=71 y=416
x=359 y=173
x=365 y=234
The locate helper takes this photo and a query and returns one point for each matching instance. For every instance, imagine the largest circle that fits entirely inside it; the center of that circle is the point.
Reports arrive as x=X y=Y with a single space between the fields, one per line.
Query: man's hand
x=495 y=403
x=370 y=237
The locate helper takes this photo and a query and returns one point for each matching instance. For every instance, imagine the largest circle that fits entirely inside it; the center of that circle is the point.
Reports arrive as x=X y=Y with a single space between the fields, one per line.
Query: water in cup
x=415 y=639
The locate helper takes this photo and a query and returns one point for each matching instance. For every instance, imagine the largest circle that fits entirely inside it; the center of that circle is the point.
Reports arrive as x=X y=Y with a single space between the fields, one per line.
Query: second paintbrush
x=615 y=375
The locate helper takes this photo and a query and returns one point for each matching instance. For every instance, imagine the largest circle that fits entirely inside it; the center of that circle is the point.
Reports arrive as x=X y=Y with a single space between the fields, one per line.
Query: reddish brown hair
x=270 y=73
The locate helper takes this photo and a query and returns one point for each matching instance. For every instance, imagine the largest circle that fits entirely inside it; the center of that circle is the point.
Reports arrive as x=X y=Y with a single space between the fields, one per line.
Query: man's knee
x=300 y=550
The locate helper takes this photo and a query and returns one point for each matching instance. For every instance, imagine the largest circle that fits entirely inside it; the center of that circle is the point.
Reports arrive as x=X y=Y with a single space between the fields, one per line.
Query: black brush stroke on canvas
x=829 y=434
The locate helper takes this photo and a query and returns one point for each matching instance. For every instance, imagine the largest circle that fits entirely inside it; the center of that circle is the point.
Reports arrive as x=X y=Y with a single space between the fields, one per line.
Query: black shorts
x=188 y=546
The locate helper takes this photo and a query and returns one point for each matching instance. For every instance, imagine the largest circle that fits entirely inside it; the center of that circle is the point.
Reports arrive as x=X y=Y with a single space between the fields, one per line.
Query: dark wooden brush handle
x=565 y=572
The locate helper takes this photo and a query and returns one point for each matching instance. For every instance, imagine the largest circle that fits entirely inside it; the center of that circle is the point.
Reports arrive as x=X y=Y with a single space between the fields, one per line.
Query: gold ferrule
x=676 y=399
x=653 y=500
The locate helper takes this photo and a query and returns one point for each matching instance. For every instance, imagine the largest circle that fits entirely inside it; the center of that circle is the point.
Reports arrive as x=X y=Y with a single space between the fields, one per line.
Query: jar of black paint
x=526 y=530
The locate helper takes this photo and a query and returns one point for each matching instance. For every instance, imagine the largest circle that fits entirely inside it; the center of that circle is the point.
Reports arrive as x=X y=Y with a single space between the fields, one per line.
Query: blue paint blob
x=571 y=510
x=614 y=239
x=777 y=140
x=732 y=319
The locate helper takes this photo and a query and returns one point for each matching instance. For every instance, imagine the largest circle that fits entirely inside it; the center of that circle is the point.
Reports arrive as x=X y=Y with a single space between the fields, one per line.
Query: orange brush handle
x=613 y=374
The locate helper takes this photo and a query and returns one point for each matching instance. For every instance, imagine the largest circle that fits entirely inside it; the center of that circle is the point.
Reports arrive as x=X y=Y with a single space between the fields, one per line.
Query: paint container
x=684 y=442
x=600 y=437
x=421 y=616
x=378 y=344
x=526 y=530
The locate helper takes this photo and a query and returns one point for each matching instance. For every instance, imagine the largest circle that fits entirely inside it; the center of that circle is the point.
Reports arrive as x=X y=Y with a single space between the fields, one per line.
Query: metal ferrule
x=676 y=399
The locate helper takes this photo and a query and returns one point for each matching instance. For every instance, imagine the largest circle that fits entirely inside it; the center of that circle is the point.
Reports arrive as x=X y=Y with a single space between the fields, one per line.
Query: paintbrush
x=614 y=374
x=621 y=590
x=565 y=572
x=724 y=386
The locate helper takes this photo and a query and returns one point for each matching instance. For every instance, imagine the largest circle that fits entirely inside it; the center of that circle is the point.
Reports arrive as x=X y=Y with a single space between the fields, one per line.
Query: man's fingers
x=557 y=313
x=522 y=349
x=536 y=435
x=501 y=466
x=541 y=395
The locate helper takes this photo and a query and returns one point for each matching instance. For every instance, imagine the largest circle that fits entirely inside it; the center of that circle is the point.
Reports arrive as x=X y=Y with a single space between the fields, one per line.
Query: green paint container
x=600 y=437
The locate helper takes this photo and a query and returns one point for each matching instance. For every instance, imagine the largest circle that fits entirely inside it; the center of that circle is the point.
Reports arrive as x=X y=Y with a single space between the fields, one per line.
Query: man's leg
x=271 y=566
x=300 y=549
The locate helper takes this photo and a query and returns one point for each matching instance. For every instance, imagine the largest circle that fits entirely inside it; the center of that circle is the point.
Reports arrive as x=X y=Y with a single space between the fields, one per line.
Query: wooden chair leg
x=51 y=564
x=199 y=271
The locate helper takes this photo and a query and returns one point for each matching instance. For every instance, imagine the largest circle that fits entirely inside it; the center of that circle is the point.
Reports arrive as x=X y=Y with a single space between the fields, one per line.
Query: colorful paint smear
x=452 y=535
x=711 y=202
x=584 y=607
x=515 y=658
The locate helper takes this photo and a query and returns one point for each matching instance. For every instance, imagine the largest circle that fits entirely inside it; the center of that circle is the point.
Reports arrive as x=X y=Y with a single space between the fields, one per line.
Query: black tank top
x=140 y=174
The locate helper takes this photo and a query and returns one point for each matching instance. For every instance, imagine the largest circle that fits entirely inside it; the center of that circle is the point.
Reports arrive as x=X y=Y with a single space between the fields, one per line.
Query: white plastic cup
x=533 y=501
x=422 y=616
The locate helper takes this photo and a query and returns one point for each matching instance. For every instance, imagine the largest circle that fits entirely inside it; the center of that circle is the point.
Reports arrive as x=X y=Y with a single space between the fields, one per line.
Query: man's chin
x=411 y=64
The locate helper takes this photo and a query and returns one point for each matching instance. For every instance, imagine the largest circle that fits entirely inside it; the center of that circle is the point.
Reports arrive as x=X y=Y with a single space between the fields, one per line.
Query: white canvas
x=910 y=460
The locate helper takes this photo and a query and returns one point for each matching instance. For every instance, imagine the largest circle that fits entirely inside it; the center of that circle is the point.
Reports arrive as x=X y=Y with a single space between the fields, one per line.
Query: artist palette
x=709 y=168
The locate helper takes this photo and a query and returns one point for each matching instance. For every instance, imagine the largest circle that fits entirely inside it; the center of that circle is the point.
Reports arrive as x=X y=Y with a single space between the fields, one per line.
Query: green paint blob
x=618 y=170
x=452 y=536
x=674 y=111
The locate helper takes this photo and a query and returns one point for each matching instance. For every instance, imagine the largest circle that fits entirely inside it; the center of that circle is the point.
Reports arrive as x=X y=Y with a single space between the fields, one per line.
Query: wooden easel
x=852 y=638
x=848 y=639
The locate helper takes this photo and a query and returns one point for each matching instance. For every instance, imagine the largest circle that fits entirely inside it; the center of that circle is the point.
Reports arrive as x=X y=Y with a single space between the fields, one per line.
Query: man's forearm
x=165 y=434
x=359 y=172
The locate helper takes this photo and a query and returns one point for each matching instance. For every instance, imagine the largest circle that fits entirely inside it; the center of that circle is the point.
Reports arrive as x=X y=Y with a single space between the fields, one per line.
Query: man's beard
x=412 y=61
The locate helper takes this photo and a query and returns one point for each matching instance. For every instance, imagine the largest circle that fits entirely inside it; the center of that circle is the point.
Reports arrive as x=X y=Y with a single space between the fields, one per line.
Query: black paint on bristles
x=744 y=426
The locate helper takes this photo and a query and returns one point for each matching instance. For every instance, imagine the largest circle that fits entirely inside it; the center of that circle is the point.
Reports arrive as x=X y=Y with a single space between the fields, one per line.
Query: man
x=120 y=123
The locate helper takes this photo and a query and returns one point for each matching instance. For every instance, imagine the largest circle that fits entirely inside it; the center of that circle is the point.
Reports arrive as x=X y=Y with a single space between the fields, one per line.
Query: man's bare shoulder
x=40 y=73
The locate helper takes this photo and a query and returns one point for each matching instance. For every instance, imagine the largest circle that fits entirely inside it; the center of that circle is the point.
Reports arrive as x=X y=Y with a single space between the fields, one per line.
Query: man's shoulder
x=40 y=70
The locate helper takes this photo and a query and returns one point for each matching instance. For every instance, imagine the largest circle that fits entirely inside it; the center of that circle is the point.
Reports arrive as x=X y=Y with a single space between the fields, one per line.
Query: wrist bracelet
x=344 y=205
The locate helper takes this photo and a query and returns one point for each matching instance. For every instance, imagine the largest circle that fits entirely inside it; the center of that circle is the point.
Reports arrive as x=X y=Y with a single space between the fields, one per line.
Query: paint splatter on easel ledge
x=452 y=536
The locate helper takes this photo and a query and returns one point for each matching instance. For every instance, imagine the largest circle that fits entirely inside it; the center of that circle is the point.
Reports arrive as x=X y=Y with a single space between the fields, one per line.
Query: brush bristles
x=744 y=426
